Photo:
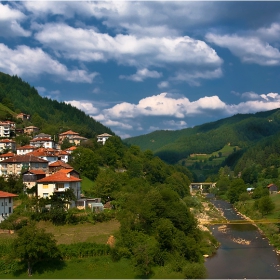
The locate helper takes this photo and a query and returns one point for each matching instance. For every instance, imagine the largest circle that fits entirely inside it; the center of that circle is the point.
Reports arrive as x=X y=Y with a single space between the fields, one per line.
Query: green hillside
x=242 y=130
x=50 y=116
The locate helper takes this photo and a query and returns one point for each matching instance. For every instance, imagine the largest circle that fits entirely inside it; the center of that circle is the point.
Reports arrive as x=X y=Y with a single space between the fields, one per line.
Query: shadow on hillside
x=42 y=267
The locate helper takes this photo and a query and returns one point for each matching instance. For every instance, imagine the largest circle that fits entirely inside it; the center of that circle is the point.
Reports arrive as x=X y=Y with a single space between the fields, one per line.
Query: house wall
x=16 y=168
x=6 y=207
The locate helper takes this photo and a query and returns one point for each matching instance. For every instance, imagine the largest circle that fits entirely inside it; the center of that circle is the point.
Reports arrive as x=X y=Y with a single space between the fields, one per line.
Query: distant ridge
x=240 y=130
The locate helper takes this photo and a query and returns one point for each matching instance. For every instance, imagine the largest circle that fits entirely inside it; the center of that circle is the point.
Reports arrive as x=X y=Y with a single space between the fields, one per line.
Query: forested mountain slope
x=50 y=116
x=241 y=130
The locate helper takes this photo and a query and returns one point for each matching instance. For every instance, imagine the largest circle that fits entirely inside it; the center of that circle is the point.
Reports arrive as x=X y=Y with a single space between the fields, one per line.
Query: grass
x=86 y=232
x=87 y=268
x=86 y=184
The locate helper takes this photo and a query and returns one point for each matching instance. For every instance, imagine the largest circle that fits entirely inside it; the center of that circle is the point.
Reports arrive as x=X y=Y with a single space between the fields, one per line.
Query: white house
x=102 y=138
x=6 y=128
x=7 y=144
x=57 y=184
x=6 y=204
x=44 y=142
x=23 y=150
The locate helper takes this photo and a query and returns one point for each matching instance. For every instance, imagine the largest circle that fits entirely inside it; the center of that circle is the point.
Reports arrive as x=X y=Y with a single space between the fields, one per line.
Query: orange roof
x=71 y=148
x=37 y=171
x=26 y=147
x=6 y=194
x=8 y=155
x=7 y=141
x=60 y=163
x=59 y=177
x=69 y=132
x=65 y=170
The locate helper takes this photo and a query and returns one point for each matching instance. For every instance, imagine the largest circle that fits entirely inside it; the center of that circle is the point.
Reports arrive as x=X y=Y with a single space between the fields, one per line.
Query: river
x=244 y=252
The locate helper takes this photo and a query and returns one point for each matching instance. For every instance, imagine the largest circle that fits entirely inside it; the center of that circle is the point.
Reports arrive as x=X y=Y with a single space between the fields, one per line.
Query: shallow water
x=244 y=251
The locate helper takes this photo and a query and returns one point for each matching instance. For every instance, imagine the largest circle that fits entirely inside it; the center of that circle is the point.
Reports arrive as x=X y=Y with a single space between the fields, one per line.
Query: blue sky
x=142 y=66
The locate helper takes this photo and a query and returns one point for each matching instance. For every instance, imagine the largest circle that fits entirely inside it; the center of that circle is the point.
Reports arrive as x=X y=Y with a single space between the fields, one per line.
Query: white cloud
x=250 y=95
x=163 y=84
x=141 y=75
x=28 y=62
x=193 y=77
x=9 y=22
x=126 y=49
x=174 y=125
x=85 y=106
x=248 y=49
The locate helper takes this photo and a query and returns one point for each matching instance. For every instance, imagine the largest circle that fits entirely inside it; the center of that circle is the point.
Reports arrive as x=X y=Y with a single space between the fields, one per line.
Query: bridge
x=200 y=185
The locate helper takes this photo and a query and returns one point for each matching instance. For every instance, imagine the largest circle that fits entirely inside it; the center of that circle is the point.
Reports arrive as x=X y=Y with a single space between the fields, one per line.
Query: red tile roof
x=37 y=171
x=69 y=132
x=6 y=194
x=60 y=163
x=7 y=155
x=23 y=158
x=26 y=147
x=59 y=177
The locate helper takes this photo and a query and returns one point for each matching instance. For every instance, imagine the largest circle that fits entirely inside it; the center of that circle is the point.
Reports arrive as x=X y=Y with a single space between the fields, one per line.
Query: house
x=58 y=165
x=70 y=150
x=7 y=144
x=15 y=165
x=64 y=156
x=30 y=177
x=102 y=138
x=6 y=156
x=7 y=128
x=6 y=204
x=43 y=142
x=93 y=203
x=272 y=188
x=51 y=155
x=57 y=183
x=23 y=116
x=31 y=130
x=23 y=150
x=69 y=135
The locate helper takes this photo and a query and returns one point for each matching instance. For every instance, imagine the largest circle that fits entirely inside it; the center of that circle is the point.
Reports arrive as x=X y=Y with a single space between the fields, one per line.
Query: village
x=43 y=165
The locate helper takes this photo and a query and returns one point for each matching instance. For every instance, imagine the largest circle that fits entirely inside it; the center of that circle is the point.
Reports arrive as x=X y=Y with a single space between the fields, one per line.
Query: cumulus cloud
x=28 y=62
x=141 y=75
x=85 y=106
x=248 y=49
x=168 y=106
x=10 y=22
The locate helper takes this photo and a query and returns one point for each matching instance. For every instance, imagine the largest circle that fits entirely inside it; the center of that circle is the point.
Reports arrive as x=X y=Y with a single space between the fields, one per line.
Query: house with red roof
x=30 y=178
x=73 y=137
x=6 y=204
x=7 y=128
x=272 y=188
x=51 y=155
x=6 y=156
x=23 y=150
x=16 y=164
x=44 y=142
x=31 y=130
x=58 y=183
x=58 y=165
x=7 y=144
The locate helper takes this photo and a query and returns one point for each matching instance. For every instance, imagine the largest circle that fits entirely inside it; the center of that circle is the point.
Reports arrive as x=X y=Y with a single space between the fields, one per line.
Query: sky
x=138 y=67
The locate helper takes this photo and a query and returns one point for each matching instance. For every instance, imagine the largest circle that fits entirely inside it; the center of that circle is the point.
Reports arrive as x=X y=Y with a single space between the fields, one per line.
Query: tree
x=33 y=245
x=237 y=187
x=265 y=205
x=86 y=162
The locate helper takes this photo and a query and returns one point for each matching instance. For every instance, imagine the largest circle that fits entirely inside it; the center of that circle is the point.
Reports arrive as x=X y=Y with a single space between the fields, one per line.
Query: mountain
x=50 y=116
x=241 y=130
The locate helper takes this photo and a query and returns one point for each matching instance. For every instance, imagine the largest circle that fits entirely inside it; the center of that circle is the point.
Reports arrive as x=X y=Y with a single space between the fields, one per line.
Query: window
x=10 y=200
x=2 y=203
x=45 y=186
x=45 y=195
x=59 y=185
x=6 y=203
x=10 y=210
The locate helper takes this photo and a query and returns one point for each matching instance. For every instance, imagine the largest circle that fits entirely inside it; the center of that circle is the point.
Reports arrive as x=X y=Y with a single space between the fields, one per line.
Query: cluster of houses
x=42 y=164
